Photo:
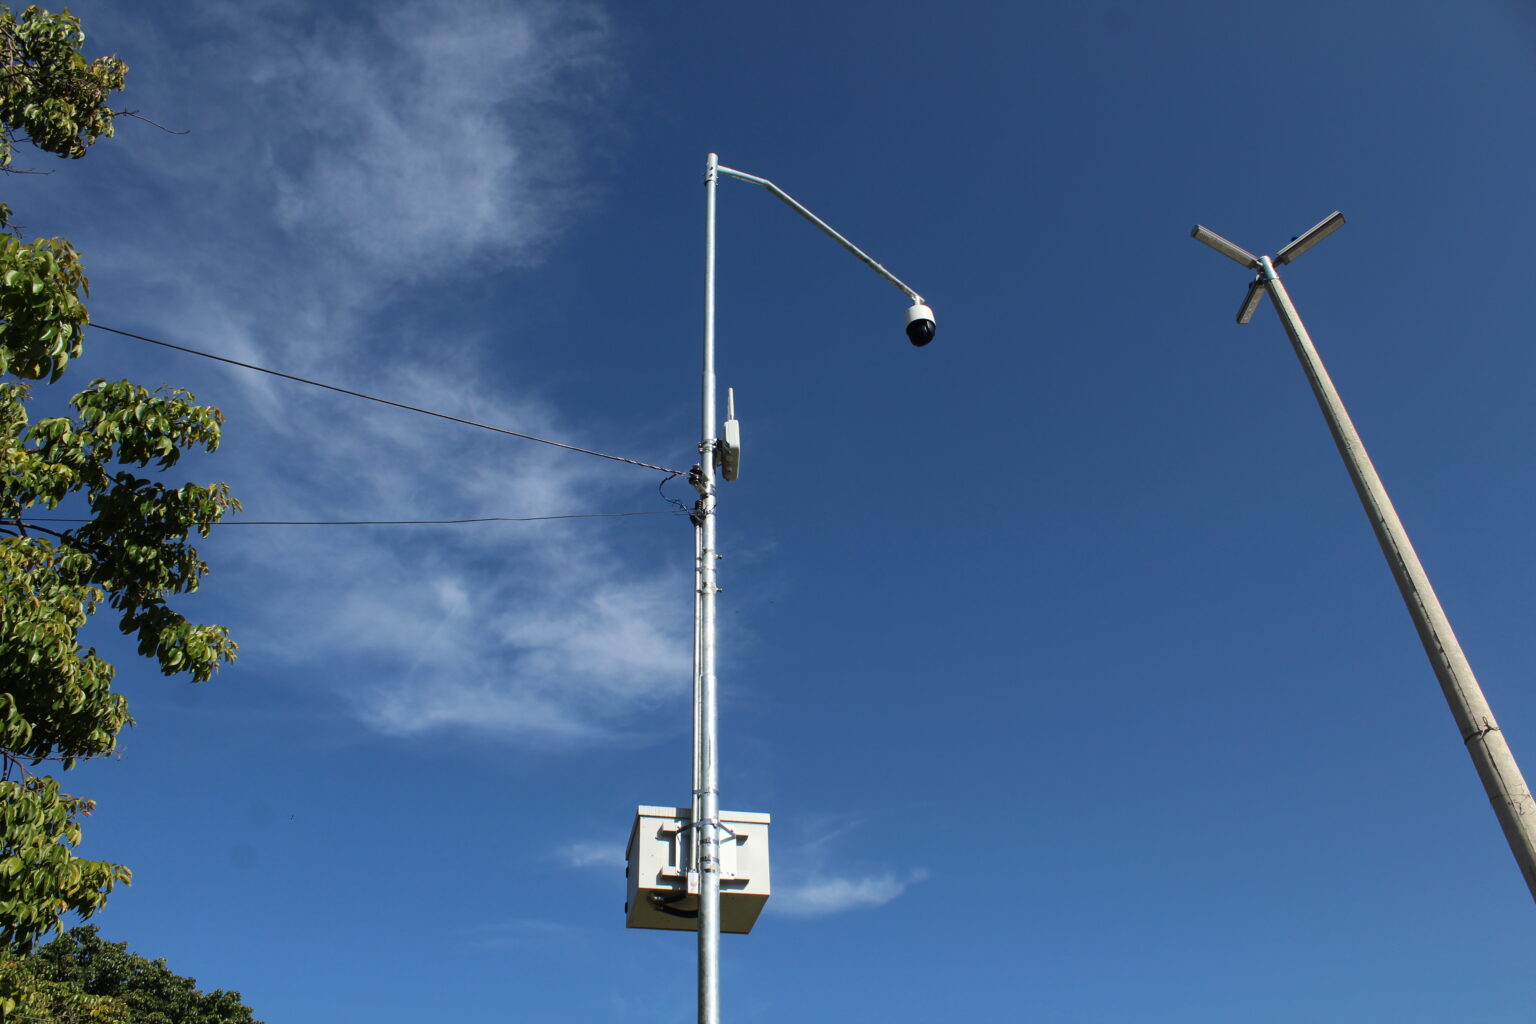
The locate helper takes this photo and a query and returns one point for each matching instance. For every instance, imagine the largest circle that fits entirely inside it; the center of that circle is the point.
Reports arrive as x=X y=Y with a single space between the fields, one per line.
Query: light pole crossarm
x=827 y=229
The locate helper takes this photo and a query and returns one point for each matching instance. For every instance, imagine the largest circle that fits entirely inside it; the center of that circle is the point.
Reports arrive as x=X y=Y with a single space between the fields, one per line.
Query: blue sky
x=1059 y=650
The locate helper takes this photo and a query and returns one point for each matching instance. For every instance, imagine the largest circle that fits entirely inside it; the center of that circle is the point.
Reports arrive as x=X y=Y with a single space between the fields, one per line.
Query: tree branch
x=140 y=117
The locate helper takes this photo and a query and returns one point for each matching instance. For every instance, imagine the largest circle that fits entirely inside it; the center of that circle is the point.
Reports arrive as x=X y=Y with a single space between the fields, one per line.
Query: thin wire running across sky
x=385 y=401
x=388 y=522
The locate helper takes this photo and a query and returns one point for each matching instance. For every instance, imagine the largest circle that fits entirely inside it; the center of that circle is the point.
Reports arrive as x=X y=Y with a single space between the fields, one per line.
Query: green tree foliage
x=29 y=995
x=80 y=977
x=54 y=98
x=98 y=463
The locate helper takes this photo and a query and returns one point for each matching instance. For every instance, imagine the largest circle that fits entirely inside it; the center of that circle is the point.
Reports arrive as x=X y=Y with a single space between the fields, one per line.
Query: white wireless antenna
x=730 y=444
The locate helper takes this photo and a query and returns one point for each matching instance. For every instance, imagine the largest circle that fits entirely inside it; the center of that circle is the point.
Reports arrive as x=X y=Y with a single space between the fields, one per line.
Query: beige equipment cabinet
x=663 y=893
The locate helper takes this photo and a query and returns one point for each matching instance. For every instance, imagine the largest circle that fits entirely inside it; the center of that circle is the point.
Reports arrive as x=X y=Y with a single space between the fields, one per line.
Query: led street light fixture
x=1251 y=301
x=1201 y=233
x=1310 y=237
x=1266 y=266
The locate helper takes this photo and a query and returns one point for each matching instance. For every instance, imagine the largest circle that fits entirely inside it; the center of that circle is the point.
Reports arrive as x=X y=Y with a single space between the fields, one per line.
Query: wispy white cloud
x=517 y=934
x=545 y=631
x=437 y=126
x=591 y=853
x=419 y=145
x=813 y=877
x=413 y=143
x=833 y=895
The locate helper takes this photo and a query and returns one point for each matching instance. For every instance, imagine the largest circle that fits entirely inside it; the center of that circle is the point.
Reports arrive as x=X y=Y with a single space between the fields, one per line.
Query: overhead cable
x=381 y=522
x=386 y=401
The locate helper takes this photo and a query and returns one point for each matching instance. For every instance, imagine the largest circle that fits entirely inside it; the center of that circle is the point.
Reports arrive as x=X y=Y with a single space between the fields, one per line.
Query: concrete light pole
x=1480 y=732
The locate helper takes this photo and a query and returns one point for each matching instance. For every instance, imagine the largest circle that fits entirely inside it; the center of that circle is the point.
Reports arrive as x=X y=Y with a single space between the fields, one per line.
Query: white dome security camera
x=920 y=324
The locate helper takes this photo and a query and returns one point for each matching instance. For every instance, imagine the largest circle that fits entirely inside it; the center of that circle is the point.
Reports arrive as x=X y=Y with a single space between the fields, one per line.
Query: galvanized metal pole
x=706 y=819
x=706 y=825
x=698 y=703
x=1496 y=767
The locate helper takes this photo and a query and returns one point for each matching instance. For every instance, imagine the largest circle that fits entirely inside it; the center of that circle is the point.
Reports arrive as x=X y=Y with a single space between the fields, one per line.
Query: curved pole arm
x=826 y=228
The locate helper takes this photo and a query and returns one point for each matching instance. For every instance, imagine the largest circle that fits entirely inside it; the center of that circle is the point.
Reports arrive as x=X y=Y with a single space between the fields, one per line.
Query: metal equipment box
x=664 y=893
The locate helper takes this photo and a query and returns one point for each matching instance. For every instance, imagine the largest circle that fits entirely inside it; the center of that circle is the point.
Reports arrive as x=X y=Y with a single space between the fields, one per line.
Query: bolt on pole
x=1480 y=732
